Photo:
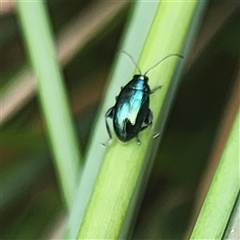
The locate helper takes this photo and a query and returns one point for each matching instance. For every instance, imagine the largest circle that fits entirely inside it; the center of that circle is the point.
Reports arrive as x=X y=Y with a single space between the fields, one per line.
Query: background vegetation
x=88 y=36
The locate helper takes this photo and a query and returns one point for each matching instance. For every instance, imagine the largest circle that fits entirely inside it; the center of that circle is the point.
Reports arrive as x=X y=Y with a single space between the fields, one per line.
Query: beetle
x=131 y=113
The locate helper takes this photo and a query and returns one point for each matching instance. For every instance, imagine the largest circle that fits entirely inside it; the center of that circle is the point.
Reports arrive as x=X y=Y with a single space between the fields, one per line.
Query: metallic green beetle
x=131 y=113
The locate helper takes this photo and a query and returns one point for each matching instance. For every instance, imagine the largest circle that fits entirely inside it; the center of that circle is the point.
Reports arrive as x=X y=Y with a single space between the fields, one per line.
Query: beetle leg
x=149 y=118
x=148 y=121
x=155 y=135
x=109 y=114
x=143 y=128
x=155 y=89
x=138 y=140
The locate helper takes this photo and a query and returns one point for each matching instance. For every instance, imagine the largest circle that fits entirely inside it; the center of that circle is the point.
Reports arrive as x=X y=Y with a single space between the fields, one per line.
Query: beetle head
x=141 y=77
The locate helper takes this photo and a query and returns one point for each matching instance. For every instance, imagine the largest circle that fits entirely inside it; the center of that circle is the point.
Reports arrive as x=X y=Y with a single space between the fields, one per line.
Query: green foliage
x=39 y=42
x=153 y=191
x=222 y=193
x=123 y=165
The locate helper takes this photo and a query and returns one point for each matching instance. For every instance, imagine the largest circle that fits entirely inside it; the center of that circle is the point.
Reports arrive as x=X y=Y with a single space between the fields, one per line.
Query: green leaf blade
x=39 y=43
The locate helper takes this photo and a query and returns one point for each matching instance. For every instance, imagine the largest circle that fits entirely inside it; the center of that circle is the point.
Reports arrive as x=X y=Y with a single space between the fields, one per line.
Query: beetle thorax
x=139 y=82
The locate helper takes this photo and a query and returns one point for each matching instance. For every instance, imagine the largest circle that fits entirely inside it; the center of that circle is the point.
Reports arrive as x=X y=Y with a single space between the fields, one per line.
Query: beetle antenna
x=170 y=55
x=138 y=68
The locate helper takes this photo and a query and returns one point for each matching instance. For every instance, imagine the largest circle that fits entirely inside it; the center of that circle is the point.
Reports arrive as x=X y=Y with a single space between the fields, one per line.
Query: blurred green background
x=31 y=204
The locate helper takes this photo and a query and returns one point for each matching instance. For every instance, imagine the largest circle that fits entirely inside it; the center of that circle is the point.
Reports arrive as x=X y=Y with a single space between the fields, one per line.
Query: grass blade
x=124 y=165
x=39 y=43
x=222 y=194
x=96 y=151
